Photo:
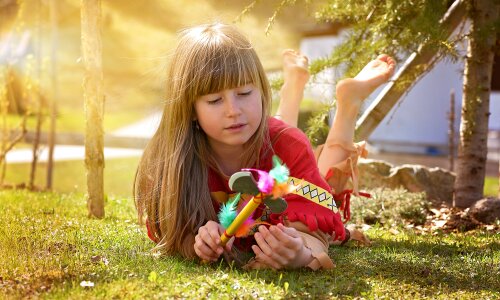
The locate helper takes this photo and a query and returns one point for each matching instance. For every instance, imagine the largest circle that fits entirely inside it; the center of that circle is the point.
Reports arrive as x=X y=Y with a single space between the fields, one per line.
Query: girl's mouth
x=236 y=127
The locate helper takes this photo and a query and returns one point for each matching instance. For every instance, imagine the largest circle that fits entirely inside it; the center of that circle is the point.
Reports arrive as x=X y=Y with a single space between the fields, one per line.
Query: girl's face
x=230 y=117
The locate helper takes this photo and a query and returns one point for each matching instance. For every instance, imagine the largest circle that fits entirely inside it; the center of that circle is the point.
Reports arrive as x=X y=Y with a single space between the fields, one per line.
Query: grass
x=491 y=187
x=73 y=120
x=69 y=176
x=48 y=247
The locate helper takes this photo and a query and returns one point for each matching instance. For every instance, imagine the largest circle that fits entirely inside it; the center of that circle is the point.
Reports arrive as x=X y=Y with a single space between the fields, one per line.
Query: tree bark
x=37 y=97
x=53 y=100
x=94 y=105
x=472 y=150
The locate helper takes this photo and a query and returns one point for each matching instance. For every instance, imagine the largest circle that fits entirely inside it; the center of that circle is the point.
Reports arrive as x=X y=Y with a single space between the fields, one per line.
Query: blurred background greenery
x=137 y=37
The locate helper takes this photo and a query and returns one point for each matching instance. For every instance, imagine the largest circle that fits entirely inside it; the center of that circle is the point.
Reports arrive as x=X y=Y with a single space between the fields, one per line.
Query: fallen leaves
x=450 y=219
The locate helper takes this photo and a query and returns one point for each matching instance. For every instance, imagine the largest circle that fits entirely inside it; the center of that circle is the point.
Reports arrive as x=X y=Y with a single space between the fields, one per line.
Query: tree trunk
x=38 y=98
x=53 y=103
x=4 y=108
x=472 y=150
x=94 y=105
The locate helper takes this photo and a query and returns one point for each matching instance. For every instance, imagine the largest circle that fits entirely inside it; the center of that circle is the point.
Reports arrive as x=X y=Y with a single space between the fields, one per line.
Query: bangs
x=227 y=69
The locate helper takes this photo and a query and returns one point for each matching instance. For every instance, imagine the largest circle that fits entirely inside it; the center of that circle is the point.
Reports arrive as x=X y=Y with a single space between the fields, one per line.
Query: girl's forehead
x=242 y=86
x=222 y=78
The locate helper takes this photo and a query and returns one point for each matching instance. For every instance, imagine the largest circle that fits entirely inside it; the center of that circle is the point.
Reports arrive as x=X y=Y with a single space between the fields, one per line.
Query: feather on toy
x=228 y=211
x=269 y=189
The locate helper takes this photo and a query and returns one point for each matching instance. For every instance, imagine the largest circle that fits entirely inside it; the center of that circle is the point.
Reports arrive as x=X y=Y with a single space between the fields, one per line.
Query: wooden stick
x=245 y=213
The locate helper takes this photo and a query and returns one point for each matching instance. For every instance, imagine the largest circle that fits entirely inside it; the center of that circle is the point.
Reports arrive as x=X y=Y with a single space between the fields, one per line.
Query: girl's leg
x=295 y=76
x=350 y=94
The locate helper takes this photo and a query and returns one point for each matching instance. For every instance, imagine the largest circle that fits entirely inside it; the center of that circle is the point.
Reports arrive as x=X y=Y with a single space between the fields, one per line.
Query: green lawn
x=48 y=247
x=491 y=187
x=69 y=176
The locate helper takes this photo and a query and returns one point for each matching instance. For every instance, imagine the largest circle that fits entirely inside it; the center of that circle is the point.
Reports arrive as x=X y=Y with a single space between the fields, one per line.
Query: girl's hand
x=281 y=247
x=207 y=243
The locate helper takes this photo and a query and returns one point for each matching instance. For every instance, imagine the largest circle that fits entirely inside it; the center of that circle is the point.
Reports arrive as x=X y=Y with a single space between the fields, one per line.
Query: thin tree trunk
x=38 y=99
x=4 y=107
x=53 y=101
x=451 y=131
x=36 y=142
x=94 y=105
x=472 y=150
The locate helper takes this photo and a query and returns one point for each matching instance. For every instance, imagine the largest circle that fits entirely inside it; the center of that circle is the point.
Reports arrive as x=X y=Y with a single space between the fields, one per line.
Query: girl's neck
x=228 y=158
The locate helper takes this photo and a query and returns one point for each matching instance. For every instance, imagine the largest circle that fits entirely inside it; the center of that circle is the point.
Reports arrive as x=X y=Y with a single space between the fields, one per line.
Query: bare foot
x=295 y=67
x=352 y=91
x=295 y=75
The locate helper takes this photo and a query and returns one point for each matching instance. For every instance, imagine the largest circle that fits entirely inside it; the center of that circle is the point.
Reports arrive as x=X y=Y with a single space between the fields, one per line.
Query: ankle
x=291 y=91
x=347 y=111
x=295 y=82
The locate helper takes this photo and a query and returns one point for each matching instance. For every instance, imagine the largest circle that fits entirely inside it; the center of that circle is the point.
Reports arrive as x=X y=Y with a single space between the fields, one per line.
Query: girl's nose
x=232 y=106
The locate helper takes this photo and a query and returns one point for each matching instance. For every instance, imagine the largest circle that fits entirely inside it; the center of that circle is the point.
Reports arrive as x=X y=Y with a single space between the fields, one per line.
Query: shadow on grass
x=430 y=265
x=305 y=283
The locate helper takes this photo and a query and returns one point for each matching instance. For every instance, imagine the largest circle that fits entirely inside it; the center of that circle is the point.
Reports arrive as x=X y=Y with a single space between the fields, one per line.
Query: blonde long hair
x=171 y=184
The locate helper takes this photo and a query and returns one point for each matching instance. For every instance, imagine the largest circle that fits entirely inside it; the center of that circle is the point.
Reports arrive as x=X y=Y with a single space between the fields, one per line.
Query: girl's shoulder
x=281 y=133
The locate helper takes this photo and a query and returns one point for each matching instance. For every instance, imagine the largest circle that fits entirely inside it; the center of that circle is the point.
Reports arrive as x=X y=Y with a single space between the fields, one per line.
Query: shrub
x=390 y=207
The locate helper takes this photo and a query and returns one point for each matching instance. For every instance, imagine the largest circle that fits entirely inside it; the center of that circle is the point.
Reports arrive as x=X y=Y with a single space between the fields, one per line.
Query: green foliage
x=317 y=126
x=393 y=27
x=49 y=249
x=491 y=188
x=390 y=207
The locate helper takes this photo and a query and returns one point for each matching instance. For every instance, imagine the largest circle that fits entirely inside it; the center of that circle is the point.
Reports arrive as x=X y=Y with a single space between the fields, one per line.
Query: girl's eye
x=246 y=93
x=214 y=101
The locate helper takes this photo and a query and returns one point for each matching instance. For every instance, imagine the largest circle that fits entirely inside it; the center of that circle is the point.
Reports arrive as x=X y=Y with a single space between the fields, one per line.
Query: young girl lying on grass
x=216 y=121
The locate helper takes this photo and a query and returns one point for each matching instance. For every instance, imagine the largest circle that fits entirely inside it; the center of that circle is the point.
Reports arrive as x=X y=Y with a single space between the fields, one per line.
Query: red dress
x=292 y=146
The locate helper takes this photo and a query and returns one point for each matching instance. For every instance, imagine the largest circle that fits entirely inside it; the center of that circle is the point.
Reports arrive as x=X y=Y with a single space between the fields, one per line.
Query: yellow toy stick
x=269 y=189
x=245 y=213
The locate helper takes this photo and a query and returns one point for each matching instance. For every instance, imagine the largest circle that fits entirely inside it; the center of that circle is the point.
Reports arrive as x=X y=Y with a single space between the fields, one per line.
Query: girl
x=216 y=122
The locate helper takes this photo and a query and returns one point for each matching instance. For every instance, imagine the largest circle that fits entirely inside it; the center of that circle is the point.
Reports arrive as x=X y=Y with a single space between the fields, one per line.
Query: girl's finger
x=278 y=254
x=261 y=256
x=209 y=240
x=284 y=239
x=206 y=253
x=264 y=246
x=289 y=230
x=269 y=238
x=203 y=251
x=214 y=234
x=229 y=244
